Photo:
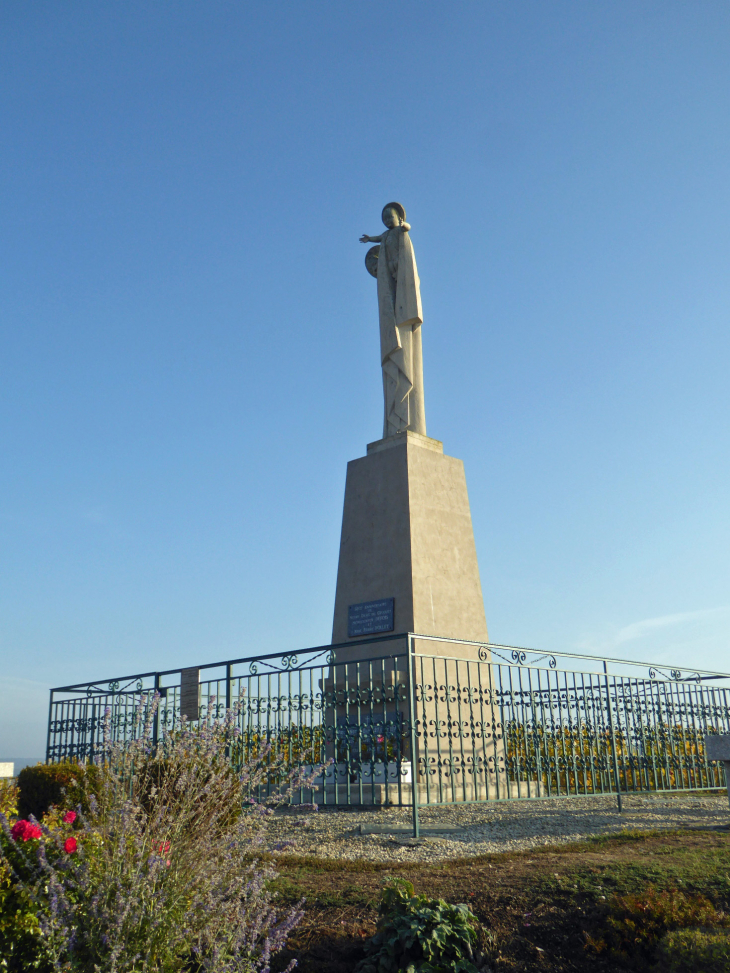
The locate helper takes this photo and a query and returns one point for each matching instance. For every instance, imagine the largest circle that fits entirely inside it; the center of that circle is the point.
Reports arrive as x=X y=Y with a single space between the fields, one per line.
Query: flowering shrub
x=24 y=831
x=159 y=875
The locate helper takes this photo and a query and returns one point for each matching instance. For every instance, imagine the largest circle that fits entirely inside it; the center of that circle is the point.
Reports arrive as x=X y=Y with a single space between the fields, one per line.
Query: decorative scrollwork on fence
x=527 y=724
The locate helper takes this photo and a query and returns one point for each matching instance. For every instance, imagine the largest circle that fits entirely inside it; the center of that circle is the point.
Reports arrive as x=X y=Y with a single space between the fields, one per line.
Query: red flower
x=70 y=845
x=69 y=817
x=163 y=847
x=24 y=831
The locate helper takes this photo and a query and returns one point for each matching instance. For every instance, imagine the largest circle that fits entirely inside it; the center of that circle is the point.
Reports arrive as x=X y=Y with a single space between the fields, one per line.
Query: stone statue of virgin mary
x=399 y=305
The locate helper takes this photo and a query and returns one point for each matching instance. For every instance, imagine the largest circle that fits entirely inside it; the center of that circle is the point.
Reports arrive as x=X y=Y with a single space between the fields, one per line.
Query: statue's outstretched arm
x=371 y=239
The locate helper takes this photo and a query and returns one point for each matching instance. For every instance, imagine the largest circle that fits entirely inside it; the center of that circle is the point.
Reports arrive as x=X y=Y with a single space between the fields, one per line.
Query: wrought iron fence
x=415 y=720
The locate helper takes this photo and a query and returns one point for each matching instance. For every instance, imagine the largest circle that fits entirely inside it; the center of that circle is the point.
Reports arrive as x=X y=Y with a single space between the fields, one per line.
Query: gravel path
x=383 y=834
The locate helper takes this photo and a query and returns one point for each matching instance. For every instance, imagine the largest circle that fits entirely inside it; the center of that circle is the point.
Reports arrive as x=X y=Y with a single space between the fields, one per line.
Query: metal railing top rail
x=318 y=649
x=518 y=655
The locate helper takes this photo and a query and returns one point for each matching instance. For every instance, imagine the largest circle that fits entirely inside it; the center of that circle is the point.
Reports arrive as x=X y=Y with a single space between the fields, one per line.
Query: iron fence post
x=613 y=739
x=48 y=733
x=156 y=717
x=93 y=732
x=229 y=672
x=412 y=716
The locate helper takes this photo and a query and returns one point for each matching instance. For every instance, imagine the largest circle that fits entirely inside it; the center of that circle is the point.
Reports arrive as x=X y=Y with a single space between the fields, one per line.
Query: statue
x=399 y=306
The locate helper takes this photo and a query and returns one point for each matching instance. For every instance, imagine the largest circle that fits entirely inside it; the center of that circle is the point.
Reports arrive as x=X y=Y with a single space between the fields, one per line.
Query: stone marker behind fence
x=717 y=747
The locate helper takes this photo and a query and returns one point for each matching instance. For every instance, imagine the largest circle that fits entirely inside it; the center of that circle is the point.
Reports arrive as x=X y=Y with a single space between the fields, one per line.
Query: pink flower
x=69 y=817
x=70 y=845
x=24 y=831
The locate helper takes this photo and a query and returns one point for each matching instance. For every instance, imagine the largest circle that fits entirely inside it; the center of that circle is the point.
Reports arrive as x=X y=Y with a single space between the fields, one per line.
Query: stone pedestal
x=407 y=535
x=717 y=747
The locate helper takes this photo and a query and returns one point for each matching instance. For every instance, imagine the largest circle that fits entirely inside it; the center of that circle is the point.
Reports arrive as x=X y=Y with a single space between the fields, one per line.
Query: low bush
x=695 y=951
x=66 y=784
x=421 y=935
x=636 y=924
x=8 y=798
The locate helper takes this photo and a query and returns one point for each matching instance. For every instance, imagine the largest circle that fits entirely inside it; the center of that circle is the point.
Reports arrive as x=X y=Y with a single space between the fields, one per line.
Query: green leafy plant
x=21 y=947
x=421 y=935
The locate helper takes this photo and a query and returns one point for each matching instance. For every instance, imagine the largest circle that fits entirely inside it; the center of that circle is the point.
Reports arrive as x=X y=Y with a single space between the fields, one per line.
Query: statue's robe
x=399 y=305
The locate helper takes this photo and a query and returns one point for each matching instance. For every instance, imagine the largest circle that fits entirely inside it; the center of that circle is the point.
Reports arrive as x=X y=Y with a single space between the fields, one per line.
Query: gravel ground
x=476 y=829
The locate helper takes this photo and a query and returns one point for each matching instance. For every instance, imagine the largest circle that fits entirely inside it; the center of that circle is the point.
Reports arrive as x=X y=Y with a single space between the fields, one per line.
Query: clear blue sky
x=189 y=336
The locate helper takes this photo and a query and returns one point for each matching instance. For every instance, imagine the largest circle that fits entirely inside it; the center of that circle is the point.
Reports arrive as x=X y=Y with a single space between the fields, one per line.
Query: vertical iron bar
x=515 y=743
x=480 y=691
x=661 y=740
x=437 y=734
x=424 y=730
x=48 y=732
x=613 y=738
x=414 y=752
x=473 y=734
x=155 y=722
x=576 y=743
x=561 y=731
x=690 y=735
x=93 y=727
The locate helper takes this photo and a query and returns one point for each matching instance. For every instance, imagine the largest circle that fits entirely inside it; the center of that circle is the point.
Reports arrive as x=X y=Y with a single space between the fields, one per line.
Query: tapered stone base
x=407 y=534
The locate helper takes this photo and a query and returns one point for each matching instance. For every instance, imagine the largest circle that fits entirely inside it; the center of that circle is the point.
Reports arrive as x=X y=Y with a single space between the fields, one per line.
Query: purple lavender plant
x=161 y=875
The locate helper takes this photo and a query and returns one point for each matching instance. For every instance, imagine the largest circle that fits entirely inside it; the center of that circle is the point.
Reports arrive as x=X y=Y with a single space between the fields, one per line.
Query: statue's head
x=393 y=215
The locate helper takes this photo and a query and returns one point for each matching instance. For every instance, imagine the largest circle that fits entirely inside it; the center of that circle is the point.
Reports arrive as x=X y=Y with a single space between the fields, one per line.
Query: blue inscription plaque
x=371 y=617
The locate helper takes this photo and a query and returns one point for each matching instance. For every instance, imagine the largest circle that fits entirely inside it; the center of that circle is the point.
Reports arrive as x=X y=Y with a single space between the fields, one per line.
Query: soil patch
x=543 y=905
